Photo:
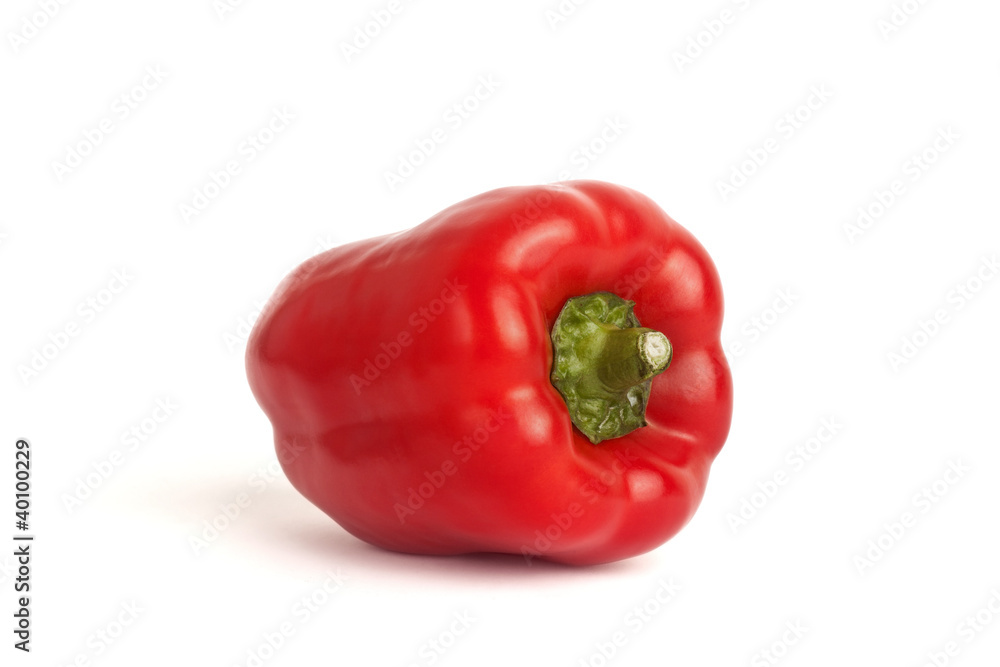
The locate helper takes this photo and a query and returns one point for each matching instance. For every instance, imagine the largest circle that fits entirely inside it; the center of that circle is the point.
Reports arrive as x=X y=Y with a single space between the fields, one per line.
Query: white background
x=815 y=553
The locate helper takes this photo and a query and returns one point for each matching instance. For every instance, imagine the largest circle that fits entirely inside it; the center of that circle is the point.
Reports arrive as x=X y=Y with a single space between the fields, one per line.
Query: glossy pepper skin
x=407 y=378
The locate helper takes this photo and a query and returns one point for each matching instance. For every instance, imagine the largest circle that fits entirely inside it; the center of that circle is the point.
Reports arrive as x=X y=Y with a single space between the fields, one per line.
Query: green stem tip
x=604 y=363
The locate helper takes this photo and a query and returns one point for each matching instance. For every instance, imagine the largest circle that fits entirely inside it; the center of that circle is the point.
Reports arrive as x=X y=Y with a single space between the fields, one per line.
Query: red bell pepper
x=484 y=382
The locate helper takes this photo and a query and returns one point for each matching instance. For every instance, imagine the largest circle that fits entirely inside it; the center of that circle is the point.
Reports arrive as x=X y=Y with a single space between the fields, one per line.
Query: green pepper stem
x=632 y=356
x=603 y=364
